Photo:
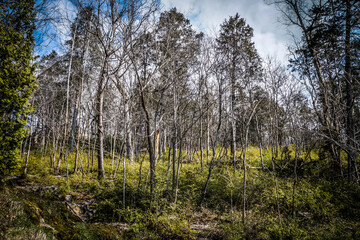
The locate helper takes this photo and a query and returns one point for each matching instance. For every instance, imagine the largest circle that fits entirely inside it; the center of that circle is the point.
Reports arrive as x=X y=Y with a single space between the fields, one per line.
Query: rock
x=83 y=210
x=68 y=198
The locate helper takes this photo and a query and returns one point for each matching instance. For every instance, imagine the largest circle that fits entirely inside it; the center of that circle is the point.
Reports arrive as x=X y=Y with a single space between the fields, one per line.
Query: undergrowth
x=276 y=207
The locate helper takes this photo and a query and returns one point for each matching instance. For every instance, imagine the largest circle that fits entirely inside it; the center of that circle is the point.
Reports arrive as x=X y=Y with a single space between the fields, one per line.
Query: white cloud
x=66 y=14
x=207 y=15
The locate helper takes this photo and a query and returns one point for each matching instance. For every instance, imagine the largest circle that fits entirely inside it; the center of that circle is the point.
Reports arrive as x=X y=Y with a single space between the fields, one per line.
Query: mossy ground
x=323 y=208
x=31 y=216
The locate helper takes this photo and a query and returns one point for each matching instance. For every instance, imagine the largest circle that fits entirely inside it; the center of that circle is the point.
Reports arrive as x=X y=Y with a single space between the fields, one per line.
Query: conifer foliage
x=17 y=81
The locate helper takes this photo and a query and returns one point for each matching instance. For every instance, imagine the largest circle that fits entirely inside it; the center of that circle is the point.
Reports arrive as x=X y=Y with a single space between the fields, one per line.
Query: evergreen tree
x=16 y=77
x=179 y=45
x=241 y=64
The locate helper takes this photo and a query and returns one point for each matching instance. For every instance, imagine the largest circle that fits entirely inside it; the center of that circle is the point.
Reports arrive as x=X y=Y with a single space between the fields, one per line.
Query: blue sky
x=54 y=35
x=270 y=36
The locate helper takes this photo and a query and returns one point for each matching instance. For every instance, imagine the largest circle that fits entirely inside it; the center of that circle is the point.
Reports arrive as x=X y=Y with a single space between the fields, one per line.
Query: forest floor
x=44 y=205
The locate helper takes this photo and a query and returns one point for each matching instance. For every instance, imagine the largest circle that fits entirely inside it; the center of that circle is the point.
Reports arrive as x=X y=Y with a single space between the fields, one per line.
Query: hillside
x=43 y=205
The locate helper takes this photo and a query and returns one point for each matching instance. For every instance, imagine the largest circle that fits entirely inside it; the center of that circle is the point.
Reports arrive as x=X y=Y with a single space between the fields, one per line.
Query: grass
x=322 y=209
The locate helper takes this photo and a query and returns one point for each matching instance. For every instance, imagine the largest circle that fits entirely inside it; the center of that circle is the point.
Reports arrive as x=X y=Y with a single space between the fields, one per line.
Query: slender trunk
x=76 y=153
x=127 y=152
x=260 y=143
x=99 y=118
x=129 y=149
x=118 y=162
x=174 y=140
x=89 y=146
x=201 y=145
x=245 y=173
x=28 y=149
x=67 y=108
x=244 y=187
x=201 y=125
x=139 y=140
x=157 y=143
x=350 y=129
x=168 y=171
x=54 y=149
x=93 y=155
x=61 y=152
x=36 y=133
x=193 y=145
x=44 y=146
x=178 y=172
x=150 y=143
x=21 y=148
x=113 y=150
x=164 y=145
x=75 y=125
x=67 y=166
x=174 y=153
x=233 y=141
x=71 y=140
x=124 y=181
x=81 y=153
x=232 y=114
x=207 y=126
x=161 y=143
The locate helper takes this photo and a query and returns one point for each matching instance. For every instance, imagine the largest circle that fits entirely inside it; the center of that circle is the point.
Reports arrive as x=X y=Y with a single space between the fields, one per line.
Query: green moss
x=19 y=219
x=97 y=231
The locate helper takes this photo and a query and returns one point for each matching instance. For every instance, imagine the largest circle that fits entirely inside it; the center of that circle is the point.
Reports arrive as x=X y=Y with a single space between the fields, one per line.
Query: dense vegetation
x=144 y=128
x=17 y=82
x=321 y=209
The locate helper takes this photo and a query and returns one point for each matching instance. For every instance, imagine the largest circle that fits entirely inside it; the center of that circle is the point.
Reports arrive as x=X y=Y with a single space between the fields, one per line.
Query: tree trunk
x=72 y=137
x=168 y=171
x=124 y=163
x=350 y=127
x=129 y=149
x=100 y=126
x=113 y=150
x=178 y=172
x=139 y=140
x=28 y=149
x=174 y=147
x=245 y=172
x=260 y=143
x=150 y=143
x=232 y=113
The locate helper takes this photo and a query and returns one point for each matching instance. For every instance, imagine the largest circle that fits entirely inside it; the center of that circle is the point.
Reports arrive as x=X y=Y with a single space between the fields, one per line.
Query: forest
x=121 y=120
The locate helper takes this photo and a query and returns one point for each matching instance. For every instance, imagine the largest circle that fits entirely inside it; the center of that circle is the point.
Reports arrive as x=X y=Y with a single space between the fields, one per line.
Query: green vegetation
x=323 y=209
x=16 y=78
x=145 y=128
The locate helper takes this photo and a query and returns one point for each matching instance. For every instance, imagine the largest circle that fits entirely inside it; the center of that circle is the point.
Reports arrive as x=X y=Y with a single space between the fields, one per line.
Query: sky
x=270 y=36
x=53 y=36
